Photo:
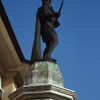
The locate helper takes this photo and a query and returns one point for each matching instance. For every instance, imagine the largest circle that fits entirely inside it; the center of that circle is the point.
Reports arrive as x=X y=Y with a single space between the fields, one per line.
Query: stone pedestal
x=43 y=92
x=44 y=73
x=43 y=81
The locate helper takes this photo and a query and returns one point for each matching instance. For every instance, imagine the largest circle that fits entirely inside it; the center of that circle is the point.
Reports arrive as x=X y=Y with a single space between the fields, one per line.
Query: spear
x=61 y=6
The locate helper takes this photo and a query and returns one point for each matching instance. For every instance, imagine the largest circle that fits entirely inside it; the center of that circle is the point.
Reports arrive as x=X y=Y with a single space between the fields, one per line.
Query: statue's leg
x=50 y=47
x=46 y=50
x=50 y=38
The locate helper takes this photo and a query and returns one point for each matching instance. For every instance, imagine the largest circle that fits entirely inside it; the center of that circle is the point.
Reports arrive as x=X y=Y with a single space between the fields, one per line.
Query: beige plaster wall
x=8 y=88
x=0 y=82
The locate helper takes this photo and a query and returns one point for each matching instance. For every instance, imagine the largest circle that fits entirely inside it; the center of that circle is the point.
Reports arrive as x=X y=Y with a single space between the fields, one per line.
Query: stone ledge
x=43 y=91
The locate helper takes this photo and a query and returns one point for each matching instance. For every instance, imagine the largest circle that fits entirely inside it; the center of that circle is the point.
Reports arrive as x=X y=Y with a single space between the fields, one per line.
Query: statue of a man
x=46 y=22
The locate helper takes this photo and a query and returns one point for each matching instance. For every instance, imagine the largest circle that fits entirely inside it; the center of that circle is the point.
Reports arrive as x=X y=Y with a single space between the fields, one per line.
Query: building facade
x=13 y=66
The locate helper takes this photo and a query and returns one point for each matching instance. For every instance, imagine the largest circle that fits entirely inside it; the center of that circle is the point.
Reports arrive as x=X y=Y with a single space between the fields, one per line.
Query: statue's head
x=46 y=1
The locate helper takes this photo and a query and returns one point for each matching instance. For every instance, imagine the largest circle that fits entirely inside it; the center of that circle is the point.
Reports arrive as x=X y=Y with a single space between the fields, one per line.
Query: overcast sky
x=78 y=51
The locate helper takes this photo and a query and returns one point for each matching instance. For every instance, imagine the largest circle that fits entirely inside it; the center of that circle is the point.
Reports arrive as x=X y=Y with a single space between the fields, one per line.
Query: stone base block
x=43 y=92
x=44 y=73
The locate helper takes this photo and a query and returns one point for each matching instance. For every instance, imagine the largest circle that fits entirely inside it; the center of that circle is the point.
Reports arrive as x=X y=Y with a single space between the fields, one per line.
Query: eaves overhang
x=11 y=34
x=12 y=61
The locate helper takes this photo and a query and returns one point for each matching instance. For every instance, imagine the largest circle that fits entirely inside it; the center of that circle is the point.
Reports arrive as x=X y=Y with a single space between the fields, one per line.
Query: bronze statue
x=46 y=22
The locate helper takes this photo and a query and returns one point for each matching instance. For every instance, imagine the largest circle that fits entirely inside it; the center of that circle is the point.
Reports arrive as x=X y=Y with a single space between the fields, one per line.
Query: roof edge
x=11 y=34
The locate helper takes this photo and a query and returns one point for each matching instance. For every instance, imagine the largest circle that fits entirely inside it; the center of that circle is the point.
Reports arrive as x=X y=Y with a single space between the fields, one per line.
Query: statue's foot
x=50 y=59
x=53 y=60
x=45 y=59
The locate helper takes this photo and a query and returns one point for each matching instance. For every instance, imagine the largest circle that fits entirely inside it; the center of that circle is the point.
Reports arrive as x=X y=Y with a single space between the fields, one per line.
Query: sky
x=78 y=51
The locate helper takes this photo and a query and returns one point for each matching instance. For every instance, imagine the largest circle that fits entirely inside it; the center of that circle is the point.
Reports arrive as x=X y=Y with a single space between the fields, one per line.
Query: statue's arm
x=46 y=14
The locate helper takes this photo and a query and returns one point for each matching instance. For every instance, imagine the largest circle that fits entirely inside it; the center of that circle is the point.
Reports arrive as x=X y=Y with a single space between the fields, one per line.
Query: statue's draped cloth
x=36 y=51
